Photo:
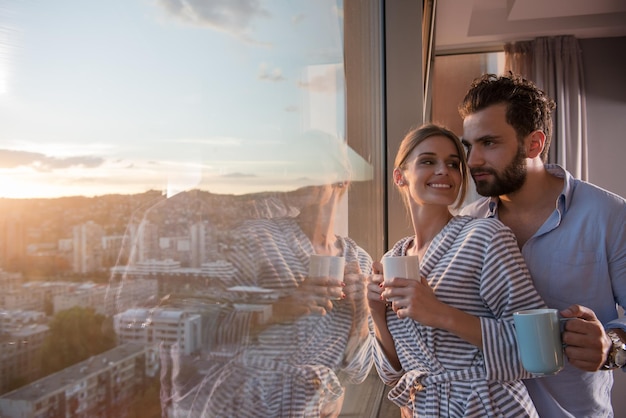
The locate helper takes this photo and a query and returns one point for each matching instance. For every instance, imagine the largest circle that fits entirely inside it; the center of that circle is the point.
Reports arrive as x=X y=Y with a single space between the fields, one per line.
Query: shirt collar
x=565 y=198
x=563 y=201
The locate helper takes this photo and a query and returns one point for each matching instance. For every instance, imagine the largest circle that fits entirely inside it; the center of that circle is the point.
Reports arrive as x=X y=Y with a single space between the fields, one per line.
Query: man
x=572 y=235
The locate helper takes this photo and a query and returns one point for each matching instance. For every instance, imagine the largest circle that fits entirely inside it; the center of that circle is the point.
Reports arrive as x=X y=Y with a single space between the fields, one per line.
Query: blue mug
x=539 y=340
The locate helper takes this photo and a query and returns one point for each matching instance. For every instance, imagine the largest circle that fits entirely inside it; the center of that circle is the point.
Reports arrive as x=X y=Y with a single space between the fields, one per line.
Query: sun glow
x=14 y=188
x=25 y=183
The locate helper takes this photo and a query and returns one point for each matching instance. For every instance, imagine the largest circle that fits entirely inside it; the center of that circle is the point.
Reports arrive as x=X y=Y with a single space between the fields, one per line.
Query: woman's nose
x=442 y=168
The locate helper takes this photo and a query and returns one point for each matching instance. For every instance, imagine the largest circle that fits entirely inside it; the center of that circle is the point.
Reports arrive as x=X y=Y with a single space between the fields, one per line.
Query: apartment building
x=102 y=386
x=160 y=326
x=22 y=334
x=87 y=247
x=31 y=296
x=9 y=281
x=106 y=299
x=83 y=295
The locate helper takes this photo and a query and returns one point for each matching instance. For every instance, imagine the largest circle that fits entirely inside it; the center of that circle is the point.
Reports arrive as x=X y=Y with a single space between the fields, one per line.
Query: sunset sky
x=122 y=96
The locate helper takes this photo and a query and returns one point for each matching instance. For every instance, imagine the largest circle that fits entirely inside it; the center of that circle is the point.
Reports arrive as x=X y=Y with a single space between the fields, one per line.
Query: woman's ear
x=398 y=178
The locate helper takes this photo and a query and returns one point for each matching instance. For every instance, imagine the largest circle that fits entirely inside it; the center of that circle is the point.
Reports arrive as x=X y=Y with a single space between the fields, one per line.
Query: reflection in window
x=452 y=76
x=168 y=168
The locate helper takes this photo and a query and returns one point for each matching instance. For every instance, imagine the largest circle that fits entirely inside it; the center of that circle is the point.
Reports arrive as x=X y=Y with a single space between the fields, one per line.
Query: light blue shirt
x=578 y=256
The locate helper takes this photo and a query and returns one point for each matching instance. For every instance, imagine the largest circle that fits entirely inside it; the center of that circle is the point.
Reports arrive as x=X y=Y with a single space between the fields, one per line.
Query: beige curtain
x=518 y=58
x=555 y=65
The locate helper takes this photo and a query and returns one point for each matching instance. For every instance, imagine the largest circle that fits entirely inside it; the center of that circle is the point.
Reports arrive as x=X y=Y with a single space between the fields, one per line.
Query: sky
x=123 y=96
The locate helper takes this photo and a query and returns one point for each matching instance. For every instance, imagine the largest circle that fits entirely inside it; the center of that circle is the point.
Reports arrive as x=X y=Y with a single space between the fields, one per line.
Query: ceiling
x=479 y=24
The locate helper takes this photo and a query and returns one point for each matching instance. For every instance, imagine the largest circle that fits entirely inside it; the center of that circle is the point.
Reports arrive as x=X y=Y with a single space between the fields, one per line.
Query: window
x=137 y=135
x=452 y=76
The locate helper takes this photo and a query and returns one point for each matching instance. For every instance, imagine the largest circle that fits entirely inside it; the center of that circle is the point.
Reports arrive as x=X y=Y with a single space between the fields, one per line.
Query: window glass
x=167 y=169
x=452 y=76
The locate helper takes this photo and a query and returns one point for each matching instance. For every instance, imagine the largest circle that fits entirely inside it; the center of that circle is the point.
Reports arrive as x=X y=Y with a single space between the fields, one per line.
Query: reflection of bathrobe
x=292 y=369
x=475 y=266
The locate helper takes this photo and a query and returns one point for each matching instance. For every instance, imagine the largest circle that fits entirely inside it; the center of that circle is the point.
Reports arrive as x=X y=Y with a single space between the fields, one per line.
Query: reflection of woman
x=447 y=342
x=291 y=362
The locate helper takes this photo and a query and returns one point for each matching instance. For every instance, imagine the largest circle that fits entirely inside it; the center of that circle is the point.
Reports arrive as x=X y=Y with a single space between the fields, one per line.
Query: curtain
x=518 y=58
x=555 y=65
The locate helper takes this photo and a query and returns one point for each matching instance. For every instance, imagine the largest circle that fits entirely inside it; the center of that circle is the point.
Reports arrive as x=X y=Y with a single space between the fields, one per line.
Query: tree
x=147 y=402
x=75 y=335
x=16 y=382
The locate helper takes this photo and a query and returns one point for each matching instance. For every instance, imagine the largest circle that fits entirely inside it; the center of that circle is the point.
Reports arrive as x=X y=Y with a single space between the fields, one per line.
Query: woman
x=447 y=342
x=293 y=359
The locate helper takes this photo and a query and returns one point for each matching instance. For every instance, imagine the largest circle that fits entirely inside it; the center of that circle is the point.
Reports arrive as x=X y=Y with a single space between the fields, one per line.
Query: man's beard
x=510 y=180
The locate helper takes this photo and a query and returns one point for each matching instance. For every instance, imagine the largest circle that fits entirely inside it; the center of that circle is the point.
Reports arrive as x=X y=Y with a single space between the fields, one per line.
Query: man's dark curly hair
x=528 y=107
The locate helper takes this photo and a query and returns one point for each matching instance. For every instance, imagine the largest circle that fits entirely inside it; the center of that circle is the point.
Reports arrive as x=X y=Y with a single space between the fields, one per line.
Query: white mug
x=327 y=266
x=405 y=266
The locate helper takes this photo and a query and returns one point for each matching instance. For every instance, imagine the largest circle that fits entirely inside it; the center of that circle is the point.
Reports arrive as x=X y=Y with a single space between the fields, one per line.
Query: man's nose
x=474 y=159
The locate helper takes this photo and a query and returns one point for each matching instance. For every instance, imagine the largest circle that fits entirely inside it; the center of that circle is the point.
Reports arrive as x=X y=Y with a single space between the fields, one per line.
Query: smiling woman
x=433 y=333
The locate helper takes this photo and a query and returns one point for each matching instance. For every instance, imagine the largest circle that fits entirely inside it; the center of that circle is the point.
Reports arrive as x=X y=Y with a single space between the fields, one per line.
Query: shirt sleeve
x=506 y=287
x=387 y=373
x=359 y=359
x=619 y=323
x=359 y=364
x=617 y=261
x=617 y=270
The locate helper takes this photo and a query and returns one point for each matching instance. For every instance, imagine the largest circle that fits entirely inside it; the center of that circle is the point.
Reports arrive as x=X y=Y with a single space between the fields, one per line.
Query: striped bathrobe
x=292 y=369
x=476 y=266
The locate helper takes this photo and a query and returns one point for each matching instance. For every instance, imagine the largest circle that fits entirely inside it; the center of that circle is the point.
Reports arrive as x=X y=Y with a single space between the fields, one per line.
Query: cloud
x=298 y=18
x=239 y=175
x=230 y=16
x=221 y=141
x=42 y=162
x=325 y=82
x=292 y=108
x=275 y=74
